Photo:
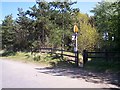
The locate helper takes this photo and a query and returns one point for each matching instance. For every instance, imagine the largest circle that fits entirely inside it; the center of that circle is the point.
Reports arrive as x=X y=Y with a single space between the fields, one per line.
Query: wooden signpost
x=76 y=46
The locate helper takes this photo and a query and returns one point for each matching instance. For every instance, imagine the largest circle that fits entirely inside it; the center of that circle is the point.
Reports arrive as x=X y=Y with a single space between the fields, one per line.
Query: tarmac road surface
x=25 y=75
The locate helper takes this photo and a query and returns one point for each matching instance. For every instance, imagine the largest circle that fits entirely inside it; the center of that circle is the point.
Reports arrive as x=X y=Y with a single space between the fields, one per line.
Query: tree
x=106 y=15
x=8 y=33
x=50 y=19
x=88 y=36
x=115 y=23
x=43 y=25
x=63 y=18
x=23 y=32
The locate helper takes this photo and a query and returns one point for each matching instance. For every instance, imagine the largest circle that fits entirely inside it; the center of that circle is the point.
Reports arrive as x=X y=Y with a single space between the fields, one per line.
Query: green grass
x=37 y=58
x=55 y=60
x=101 y=65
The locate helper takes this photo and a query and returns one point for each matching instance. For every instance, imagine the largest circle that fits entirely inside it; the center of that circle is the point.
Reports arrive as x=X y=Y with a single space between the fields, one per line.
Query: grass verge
x=101 y=65
x=98 y=65
x=38 y=58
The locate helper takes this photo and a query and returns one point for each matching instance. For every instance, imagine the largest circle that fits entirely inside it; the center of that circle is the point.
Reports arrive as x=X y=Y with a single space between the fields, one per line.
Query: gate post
x=85 y=57
x=106 y=55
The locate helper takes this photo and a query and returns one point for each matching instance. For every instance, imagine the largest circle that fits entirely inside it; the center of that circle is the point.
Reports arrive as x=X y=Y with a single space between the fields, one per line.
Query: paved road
x=23 y=75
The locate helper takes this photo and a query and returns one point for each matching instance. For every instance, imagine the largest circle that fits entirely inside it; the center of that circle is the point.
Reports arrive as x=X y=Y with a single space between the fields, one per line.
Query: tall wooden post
x=62 y=47
x=76 y=51
x=85 y=57
x=106 y=55
x=77 y=59
x=76 y=46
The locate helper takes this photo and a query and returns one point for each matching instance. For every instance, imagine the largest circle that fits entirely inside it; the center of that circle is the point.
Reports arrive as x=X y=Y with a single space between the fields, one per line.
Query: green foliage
x=48 y=25
x=43 y=25
x=37 y=57
x=101 y=65
x=8 y=53
x=107 y=17
x=88 y=37
x=8 y=33
x=56 y=37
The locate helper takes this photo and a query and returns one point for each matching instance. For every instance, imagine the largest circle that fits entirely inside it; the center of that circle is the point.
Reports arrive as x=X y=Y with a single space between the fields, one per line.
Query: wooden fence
x=105 y=55
x=75 y=56
x=54 y=50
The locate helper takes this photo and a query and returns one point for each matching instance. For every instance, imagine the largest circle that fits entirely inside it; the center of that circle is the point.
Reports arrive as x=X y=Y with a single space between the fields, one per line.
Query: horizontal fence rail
x=54 y=51
x=61 y=53
x=106 y=55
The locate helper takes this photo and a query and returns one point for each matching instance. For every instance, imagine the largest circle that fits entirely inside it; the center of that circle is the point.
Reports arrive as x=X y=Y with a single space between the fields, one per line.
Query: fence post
x=85 y=57
x=51 y=51
x=106 y=55
x=62 y=53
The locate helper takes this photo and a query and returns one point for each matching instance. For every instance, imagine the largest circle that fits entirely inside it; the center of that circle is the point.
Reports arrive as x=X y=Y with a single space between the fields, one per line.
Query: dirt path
x=22 y=75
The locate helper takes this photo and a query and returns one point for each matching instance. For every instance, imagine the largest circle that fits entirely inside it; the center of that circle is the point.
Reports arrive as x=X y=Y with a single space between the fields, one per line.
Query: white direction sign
x=73 y=37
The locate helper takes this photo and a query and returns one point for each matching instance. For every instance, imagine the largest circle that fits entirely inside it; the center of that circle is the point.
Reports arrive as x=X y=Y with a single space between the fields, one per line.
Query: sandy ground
x=24 y=75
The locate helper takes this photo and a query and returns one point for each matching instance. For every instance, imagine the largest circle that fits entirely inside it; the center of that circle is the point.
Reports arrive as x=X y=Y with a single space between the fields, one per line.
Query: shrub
x=36 y=57
x=8 y=53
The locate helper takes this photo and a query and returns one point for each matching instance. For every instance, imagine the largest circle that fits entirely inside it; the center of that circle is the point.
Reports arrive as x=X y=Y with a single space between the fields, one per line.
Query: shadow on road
x=67 y=68
x=80 y=73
